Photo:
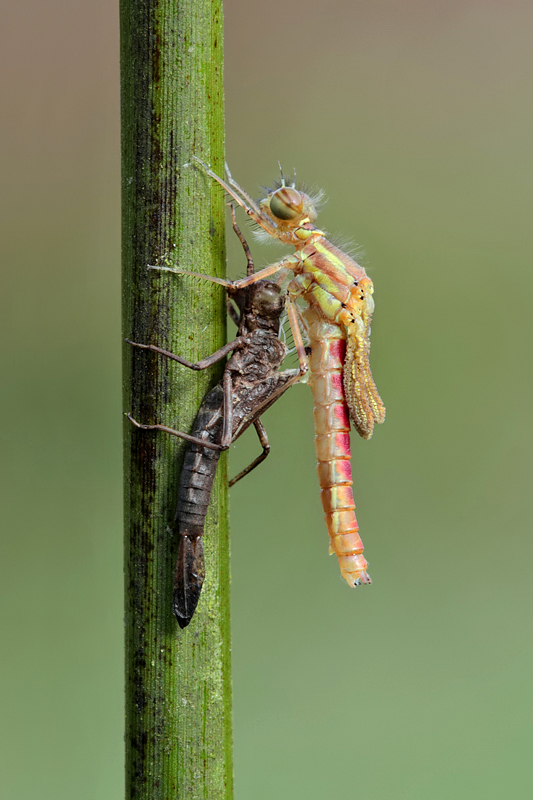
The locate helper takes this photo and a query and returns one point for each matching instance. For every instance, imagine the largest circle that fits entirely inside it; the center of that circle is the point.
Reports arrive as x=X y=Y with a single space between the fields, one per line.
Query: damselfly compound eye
x=286 y=203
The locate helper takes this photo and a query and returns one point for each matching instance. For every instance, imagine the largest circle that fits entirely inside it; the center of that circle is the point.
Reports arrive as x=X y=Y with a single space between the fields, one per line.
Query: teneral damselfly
x=337 y=296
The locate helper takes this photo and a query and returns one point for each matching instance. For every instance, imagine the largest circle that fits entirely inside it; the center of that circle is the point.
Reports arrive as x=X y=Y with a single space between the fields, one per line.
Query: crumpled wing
x=365 y=405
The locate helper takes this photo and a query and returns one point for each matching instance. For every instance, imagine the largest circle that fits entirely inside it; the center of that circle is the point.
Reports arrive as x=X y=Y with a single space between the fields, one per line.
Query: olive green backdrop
x=416 y=120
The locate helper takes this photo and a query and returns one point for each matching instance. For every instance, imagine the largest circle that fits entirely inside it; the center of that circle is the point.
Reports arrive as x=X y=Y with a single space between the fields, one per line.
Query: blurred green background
x=415 y=118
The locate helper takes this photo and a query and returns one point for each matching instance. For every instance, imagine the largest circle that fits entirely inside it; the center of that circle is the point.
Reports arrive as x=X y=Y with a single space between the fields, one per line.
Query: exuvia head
x=264 y=305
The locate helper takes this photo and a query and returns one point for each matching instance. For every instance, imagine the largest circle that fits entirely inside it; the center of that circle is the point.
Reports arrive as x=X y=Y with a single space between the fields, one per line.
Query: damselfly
x=338 y=305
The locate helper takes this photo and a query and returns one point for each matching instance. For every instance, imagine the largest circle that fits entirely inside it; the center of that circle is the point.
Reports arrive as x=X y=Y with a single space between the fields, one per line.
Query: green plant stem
x=178 y=683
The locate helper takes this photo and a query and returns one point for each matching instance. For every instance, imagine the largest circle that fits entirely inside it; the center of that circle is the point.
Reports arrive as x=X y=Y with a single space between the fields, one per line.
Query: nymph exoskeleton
x=250 y=384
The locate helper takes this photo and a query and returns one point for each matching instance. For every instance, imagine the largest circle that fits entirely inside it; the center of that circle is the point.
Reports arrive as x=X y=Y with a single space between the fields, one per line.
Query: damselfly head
x=288 y=206
x=280 y=213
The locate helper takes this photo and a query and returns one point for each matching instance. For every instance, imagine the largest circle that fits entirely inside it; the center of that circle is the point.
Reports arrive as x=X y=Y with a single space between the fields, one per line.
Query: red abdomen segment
x=332 y=444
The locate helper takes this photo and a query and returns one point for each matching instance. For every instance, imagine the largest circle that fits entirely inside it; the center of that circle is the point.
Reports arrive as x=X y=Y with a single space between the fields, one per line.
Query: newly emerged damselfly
x=336 y=294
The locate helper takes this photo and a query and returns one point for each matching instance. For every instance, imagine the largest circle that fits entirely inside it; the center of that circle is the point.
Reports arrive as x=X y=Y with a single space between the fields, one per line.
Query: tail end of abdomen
x=354 y=569
x=188 y=578
x=335 y=477
x=346 y=543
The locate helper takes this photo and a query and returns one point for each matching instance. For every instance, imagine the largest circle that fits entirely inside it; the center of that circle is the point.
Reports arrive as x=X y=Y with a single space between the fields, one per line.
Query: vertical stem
x=178 y=684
